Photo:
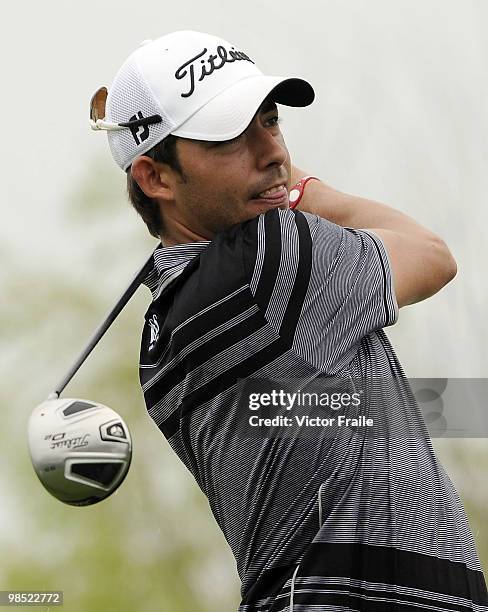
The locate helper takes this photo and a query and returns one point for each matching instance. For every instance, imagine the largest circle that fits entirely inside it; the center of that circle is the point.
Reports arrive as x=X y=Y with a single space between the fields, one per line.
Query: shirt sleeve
x=323 y=287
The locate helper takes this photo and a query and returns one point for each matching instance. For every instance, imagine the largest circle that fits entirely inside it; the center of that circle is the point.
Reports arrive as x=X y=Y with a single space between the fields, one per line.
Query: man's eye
x=273 y=120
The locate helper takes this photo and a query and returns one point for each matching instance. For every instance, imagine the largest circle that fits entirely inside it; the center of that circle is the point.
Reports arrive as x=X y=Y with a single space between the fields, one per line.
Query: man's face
x=224 y=183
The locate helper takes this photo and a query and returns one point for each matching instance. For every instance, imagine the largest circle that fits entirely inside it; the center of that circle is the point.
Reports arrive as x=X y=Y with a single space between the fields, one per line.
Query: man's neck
x=178 y=233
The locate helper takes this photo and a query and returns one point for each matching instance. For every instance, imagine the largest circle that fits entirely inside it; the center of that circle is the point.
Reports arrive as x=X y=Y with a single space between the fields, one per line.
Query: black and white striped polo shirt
x=349 y=522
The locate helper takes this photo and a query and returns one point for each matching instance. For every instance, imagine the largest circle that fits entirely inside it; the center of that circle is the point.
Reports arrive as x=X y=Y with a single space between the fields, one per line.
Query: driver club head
x=80 y=450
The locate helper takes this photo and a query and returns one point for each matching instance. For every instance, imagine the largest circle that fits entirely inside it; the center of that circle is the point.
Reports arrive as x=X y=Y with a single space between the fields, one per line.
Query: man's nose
x=269 y=149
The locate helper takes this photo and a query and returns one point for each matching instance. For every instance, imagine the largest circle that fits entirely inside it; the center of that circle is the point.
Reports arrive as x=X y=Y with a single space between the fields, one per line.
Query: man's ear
x=154 y=178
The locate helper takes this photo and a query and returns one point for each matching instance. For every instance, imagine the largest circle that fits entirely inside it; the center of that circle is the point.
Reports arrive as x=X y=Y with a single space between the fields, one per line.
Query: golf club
x=81 y=450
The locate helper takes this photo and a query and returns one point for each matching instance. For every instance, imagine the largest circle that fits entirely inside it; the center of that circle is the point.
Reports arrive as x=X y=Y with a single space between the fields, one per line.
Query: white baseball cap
x=189 y=84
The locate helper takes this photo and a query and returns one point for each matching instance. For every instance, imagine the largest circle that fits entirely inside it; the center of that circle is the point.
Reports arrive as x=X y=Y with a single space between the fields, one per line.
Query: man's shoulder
x=244 y=255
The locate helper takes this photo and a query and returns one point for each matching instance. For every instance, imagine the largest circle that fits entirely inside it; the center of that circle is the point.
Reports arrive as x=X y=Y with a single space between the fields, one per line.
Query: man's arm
x=421 y=262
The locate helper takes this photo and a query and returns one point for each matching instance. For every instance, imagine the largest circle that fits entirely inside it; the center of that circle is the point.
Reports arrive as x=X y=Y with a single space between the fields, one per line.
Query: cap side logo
x=139 y=132
x=208 y=65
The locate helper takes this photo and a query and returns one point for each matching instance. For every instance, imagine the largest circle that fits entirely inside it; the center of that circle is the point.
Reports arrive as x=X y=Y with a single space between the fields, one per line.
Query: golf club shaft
x=104 y=325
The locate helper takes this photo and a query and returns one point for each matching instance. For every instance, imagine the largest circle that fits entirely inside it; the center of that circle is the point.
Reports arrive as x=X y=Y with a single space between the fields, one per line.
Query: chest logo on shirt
x=153 y=323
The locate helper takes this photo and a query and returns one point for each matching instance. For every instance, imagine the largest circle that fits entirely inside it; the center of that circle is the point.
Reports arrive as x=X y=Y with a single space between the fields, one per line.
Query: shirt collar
x=169 y=262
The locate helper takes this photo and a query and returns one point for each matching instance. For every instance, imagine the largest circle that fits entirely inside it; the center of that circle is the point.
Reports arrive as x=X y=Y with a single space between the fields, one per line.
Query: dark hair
x=164 y=152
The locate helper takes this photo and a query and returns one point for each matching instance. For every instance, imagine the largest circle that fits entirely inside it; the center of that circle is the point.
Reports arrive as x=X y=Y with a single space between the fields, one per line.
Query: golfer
x=266 y=275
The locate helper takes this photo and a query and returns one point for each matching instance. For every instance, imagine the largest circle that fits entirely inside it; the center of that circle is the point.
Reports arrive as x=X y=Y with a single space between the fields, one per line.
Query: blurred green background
x=400 y=116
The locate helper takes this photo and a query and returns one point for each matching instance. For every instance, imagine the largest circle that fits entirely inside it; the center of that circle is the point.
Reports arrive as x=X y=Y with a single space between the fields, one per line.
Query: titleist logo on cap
x=208 y=65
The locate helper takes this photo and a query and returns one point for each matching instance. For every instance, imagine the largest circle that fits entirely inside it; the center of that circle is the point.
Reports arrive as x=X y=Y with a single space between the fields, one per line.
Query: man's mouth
x=276 y=196
x=272 y=192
